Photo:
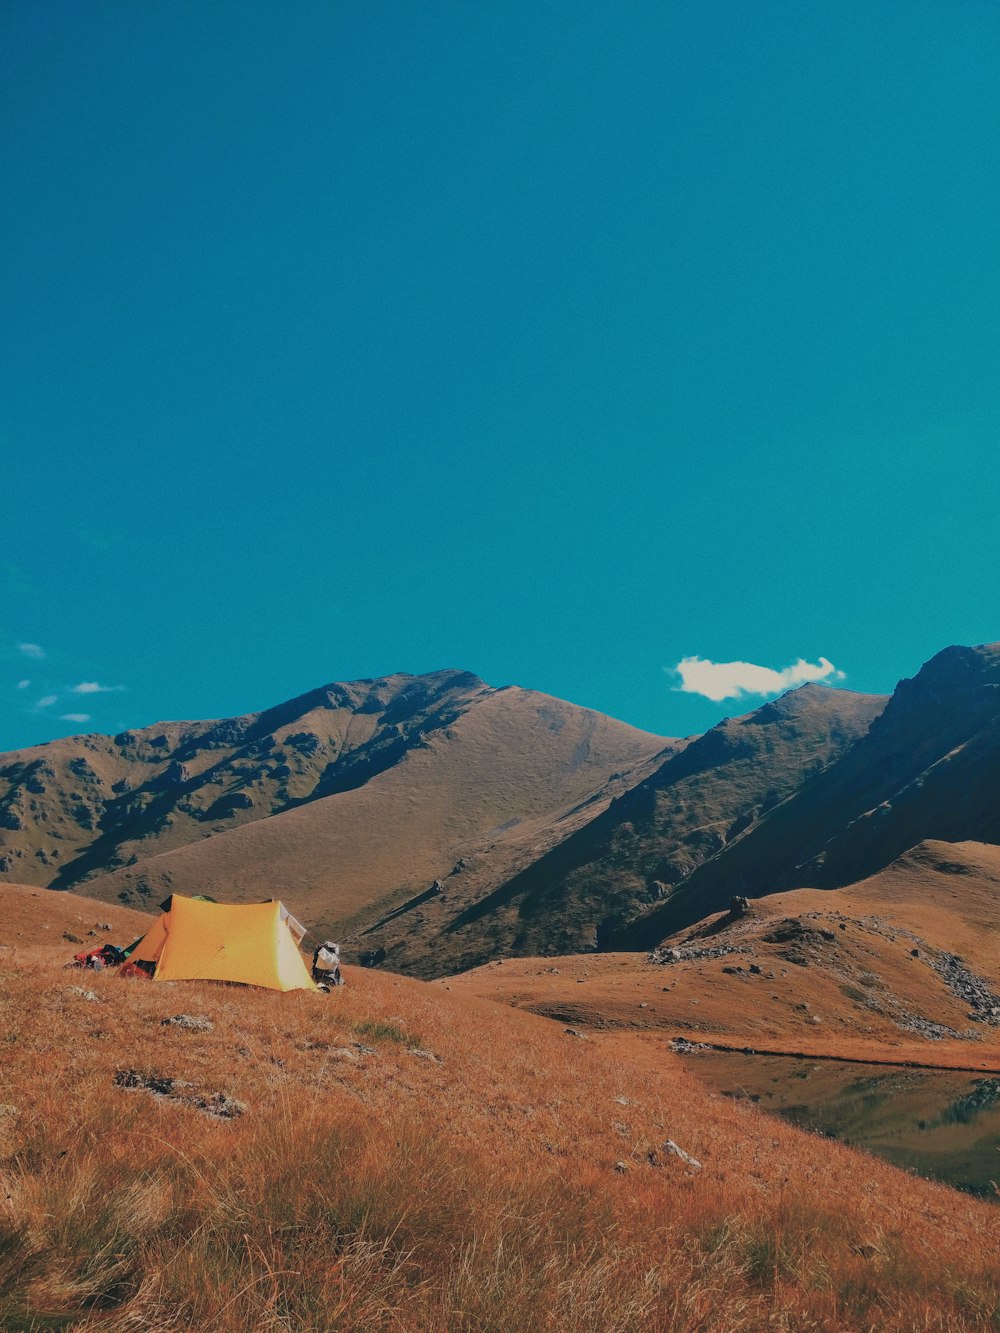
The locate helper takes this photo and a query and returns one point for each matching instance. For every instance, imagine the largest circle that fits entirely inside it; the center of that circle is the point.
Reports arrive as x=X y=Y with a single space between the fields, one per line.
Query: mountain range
x=927 y=768
x=435 y=822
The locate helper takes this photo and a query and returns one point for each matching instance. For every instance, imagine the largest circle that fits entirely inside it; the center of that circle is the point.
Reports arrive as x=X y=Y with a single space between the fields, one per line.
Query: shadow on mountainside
x=929 y=768
x=585 y=892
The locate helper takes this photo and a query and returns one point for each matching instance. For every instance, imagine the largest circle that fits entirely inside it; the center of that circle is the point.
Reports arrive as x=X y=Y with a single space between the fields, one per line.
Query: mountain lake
x=941 y=1124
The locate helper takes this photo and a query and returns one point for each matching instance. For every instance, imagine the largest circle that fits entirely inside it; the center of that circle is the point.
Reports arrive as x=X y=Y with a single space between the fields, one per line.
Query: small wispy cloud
x=75 y=717
x=93 y=687
x=23 y=684
x=32 y=650
x=47 y=700
x=731 y=680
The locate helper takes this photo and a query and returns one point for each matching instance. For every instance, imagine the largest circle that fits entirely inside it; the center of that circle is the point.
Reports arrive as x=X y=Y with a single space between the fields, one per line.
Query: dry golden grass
x=851 y=997
x=31 y=917
x=506 y=775
x=471 y=1187
x=701 y=1002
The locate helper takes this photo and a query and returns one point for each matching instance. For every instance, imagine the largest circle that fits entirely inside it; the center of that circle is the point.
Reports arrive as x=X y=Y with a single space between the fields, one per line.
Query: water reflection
x=985 y=1096
x=938 y=1123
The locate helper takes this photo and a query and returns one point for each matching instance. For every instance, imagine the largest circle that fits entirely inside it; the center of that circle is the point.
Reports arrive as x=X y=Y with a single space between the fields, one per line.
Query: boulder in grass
x=673 y=1150
x=166 y=1088
x=190 y=1022
x=217 y=1104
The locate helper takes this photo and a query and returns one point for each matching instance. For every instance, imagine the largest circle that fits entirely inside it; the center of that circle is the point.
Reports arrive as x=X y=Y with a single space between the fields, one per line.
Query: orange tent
x=257 y=944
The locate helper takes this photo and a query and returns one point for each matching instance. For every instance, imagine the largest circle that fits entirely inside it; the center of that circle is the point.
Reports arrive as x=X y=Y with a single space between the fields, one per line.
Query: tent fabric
x=294 y=925
x=148 y=949
x=208 y=941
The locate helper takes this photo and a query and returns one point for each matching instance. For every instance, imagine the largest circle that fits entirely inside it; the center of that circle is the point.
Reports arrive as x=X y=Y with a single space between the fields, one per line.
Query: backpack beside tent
x=98 y=958
x=196 y=939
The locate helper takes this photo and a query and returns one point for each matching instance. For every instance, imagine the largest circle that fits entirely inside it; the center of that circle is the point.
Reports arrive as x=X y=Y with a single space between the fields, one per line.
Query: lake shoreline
x=990 y=1066
x=943 y=1124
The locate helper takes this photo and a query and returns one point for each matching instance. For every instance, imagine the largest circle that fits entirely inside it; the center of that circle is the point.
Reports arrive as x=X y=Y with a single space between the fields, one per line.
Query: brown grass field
x=410 y=1158
x=702 y=1003
x=853 y=996
x=31 y=917
x=498 y=785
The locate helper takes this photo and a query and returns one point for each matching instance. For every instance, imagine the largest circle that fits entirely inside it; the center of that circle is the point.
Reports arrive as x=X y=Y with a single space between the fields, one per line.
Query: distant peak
x=811 y=690
x=445 y=677
x=958 y=666
x=806 y=696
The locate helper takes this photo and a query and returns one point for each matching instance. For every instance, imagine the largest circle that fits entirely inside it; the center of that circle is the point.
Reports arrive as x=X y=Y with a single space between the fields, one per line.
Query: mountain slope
x=593 y=884
x=346 y=802
x=395 y=1156
x=33 y=919
x=83 y=805
x=433 y=822
x=928 y=768
x=902 y=966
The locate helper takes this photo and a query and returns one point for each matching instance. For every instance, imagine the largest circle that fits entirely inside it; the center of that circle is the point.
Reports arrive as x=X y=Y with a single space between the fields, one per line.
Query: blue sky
x=558 y=342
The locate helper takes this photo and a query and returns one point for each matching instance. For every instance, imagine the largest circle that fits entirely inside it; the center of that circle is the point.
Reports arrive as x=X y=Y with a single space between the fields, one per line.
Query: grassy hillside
x=904 y=966
x=407 y=1158
x=515 y=769
x=592 y=885
x=78 y=807
x=32 y=917
x=346 y=802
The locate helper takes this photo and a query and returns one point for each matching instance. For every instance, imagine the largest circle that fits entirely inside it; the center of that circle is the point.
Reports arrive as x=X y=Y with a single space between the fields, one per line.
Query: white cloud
x=731 y=680
x=47 y=701
x=31 y=650
x=75 y=717
x=23 y=684
x=92 y=687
